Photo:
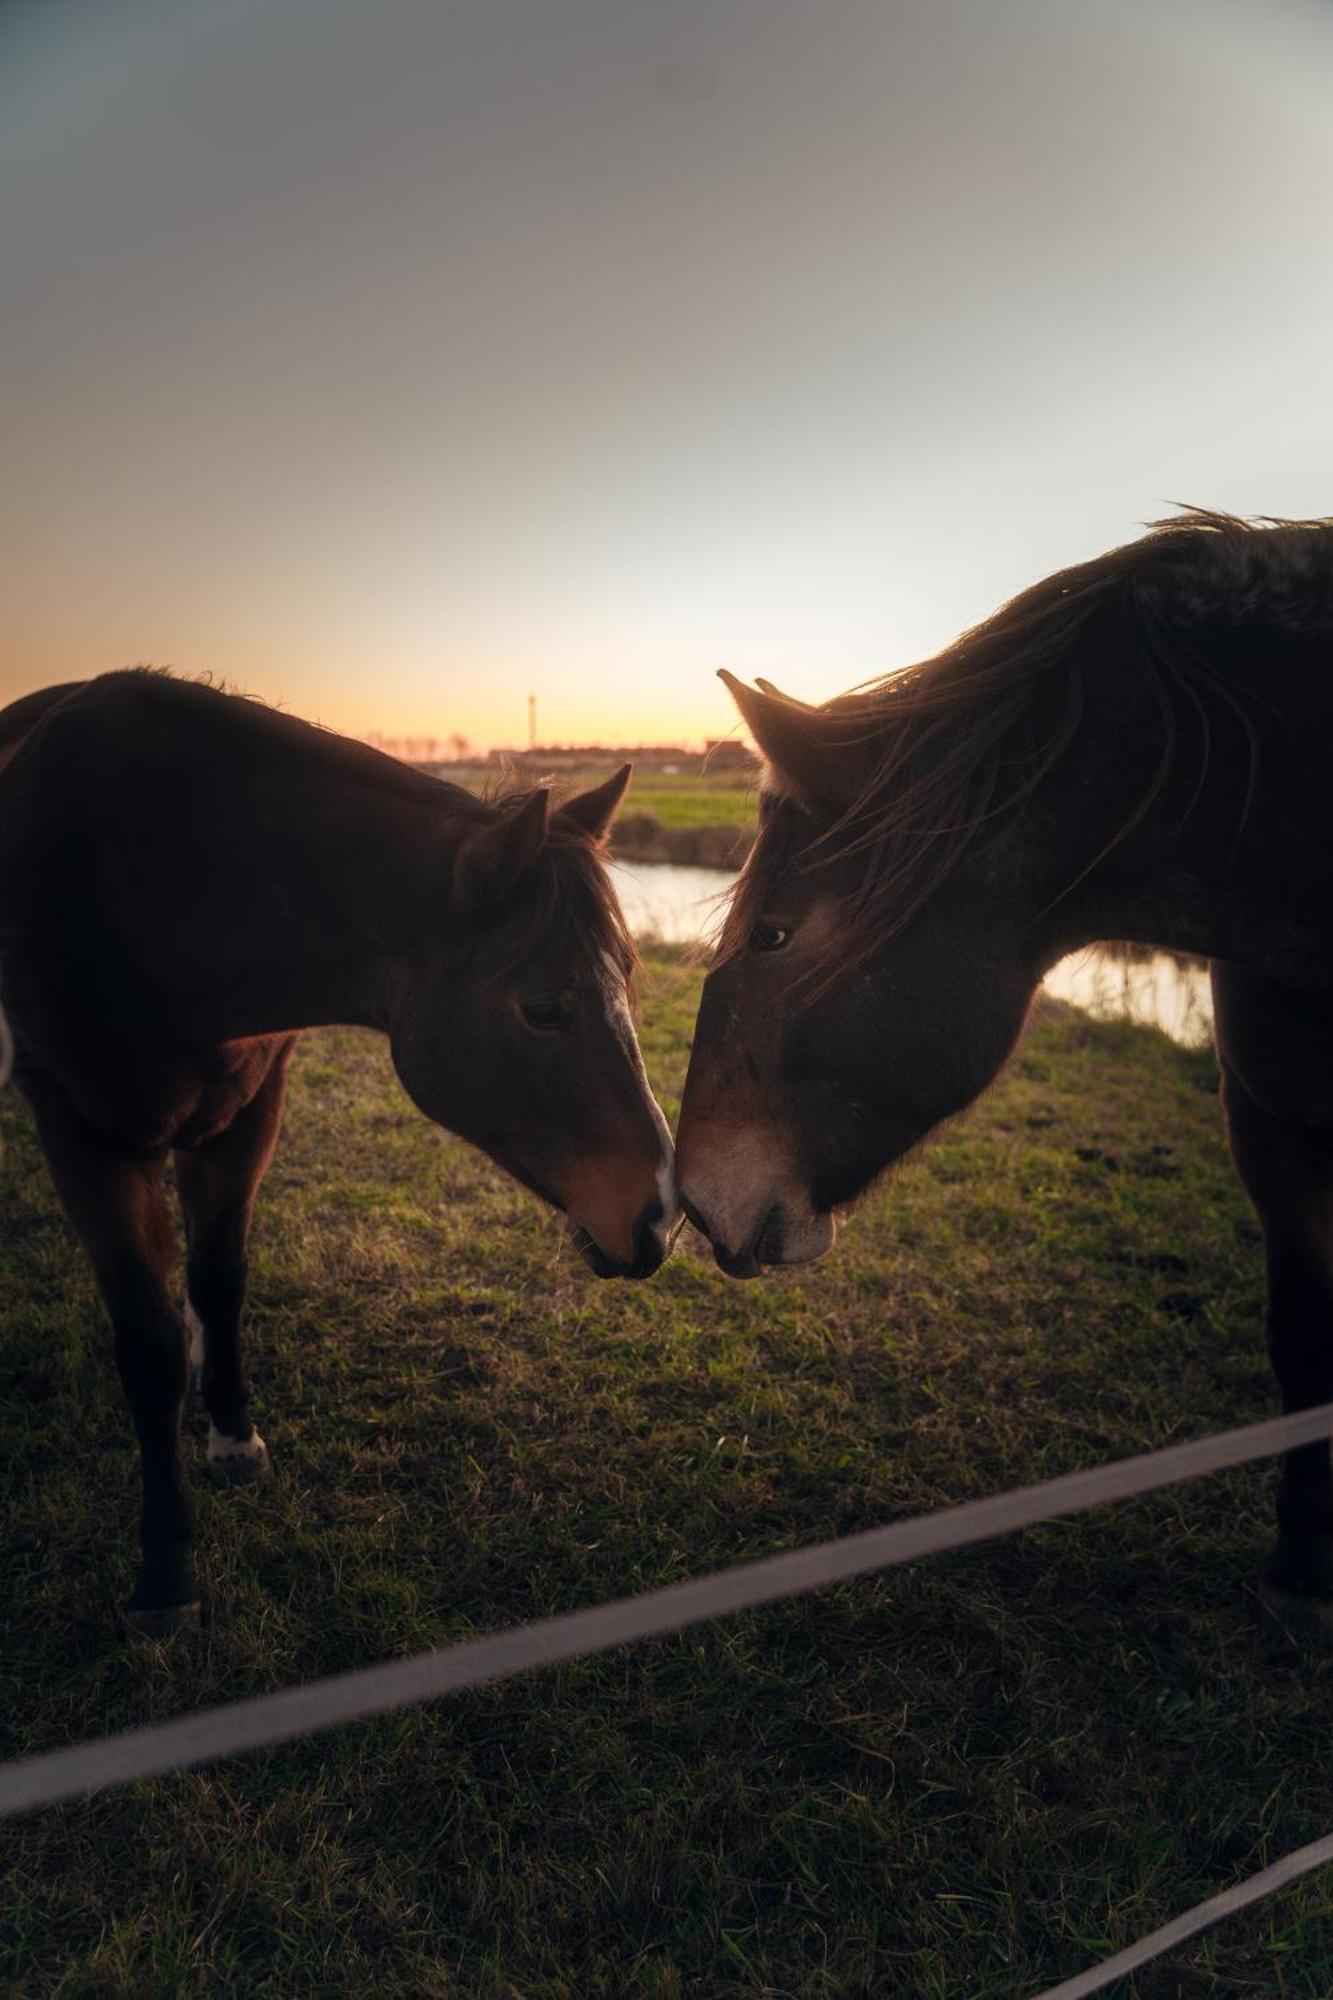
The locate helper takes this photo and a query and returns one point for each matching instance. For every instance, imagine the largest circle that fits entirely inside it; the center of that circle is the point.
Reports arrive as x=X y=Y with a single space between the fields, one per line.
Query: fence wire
x=242 y=1726
x=1301 y=1861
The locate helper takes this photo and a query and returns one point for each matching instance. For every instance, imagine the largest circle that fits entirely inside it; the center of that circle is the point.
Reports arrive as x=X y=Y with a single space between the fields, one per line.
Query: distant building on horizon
x=728 y=753
x=720 y=753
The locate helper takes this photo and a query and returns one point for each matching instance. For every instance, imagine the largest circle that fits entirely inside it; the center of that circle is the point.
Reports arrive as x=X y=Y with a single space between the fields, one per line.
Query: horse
x=1138 y=748
x=188 y=879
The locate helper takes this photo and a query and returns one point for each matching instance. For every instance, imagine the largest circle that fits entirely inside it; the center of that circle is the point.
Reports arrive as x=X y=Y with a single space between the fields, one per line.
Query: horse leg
x=217 y=1183
x=1288 y=1172
x=117 y=1203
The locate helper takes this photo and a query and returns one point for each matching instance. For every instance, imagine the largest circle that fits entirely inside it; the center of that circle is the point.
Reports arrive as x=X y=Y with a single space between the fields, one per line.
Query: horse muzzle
x=651 y=1238
x=775 y=1233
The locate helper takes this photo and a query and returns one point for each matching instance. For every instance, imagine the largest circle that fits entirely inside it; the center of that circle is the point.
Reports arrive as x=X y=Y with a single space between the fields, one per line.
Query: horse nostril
x=649 y=1243
x=768 y=1244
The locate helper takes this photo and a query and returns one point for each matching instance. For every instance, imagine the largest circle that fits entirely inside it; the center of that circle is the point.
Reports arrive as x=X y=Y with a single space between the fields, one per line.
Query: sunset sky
x=394 y=360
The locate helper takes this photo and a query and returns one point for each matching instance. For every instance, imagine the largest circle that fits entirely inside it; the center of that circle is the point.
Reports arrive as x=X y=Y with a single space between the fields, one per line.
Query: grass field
x=690 y=797
x=969 y=1778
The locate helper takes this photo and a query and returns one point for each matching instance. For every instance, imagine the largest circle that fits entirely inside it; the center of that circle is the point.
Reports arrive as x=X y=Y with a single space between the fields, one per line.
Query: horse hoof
x=162 y=1621
x=1301 y=1616
x=244 y=1465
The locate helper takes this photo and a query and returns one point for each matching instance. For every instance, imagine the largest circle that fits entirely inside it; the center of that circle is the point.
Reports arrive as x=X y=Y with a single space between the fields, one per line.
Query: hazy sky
x=394 y=359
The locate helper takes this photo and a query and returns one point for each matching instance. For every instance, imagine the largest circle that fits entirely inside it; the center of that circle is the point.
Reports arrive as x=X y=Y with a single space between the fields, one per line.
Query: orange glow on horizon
x=603 y=347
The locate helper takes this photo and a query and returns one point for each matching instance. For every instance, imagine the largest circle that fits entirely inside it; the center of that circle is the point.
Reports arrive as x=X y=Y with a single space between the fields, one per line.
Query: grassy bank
x=692 y=816
x=968 y=1778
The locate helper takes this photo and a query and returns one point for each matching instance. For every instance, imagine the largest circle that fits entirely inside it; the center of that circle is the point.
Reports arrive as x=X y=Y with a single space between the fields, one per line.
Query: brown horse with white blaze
x=1140 y=748
x=187 y=879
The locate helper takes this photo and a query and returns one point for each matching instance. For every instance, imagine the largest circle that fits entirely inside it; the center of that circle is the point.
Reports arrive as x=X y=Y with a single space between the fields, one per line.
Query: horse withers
x=187 y=879
x=1140 y=748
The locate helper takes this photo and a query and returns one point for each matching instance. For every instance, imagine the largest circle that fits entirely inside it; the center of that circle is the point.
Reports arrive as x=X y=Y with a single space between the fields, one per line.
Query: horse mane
x=954 y=746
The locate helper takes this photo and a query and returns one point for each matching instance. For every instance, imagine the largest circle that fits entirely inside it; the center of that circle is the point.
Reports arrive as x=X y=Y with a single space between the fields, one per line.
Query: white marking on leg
x=195 y=1328
x=220 y=1446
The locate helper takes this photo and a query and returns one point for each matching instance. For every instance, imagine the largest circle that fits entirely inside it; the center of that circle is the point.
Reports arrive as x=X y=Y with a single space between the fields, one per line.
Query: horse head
x=829 y=1042
x=513 y=1025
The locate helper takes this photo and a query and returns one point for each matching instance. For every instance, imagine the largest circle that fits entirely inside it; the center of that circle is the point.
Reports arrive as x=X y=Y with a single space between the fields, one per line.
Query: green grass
x=967 y=1778
x=692 y=796
x=728 y=801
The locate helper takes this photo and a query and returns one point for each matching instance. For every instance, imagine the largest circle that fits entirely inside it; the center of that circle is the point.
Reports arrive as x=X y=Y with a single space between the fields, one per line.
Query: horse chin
x=798 y=1237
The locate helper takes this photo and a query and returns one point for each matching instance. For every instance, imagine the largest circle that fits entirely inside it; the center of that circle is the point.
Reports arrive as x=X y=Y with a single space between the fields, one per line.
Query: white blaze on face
x=616 y=1002
x=666 y=1187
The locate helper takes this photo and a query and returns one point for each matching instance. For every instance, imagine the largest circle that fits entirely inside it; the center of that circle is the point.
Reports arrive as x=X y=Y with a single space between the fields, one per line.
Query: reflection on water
x=1155 y=989
x=681 y=904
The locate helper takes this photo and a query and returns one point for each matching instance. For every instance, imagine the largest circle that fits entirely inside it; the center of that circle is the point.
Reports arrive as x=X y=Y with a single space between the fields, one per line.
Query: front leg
x=117 y=1203
x=1288 y=1171
x=217 y=1183
x=1298 y=1577
x=151 y=1358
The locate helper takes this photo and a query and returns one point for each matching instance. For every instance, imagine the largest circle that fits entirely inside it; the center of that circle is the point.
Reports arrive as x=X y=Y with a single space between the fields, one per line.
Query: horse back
x=23 y=715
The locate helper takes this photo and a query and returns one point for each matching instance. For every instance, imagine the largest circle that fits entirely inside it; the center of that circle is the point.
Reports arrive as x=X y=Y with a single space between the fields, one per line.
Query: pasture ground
x=968 y=1778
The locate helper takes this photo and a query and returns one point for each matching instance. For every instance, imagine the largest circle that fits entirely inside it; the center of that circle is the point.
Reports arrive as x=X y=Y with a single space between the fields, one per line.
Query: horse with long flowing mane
x=1138 y=748
x=188 y=878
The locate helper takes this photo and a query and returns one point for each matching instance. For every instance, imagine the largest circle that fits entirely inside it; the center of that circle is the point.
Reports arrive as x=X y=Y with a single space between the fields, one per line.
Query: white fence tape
x=1301 y=1861
x=276 y=1718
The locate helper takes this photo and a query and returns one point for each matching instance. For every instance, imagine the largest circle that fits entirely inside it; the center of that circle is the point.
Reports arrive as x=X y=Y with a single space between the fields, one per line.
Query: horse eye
x=768 y=937
x=550 y=1014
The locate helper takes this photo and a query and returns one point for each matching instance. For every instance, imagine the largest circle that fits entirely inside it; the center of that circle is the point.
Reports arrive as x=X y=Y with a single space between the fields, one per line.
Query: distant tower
x=532 y=722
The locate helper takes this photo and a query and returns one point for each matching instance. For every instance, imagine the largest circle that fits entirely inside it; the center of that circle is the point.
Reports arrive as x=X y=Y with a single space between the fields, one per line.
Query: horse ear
x=801 y=744
x=778 y=695
x=493 y=861
x=592 y=812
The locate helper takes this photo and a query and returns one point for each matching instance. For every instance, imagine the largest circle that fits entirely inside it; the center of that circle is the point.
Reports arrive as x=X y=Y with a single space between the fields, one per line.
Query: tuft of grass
x=972 y=1776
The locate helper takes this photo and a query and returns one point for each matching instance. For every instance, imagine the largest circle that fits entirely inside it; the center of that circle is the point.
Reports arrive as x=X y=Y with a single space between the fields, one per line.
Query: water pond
x=680 y=904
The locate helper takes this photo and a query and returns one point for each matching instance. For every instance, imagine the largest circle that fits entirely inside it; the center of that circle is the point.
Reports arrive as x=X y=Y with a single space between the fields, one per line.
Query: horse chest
x=157 y=1103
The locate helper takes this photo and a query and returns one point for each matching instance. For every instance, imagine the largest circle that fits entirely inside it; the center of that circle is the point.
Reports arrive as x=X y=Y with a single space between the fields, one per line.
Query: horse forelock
x=784 y=830
x=937 y=755
x=942 y=755
x=569 y=906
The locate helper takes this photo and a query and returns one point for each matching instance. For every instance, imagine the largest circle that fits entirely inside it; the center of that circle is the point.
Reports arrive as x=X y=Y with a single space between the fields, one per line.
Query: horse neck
x=1214 y=850
x=370 y=896
x=324 y=893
